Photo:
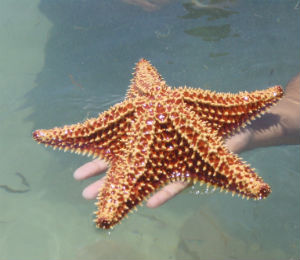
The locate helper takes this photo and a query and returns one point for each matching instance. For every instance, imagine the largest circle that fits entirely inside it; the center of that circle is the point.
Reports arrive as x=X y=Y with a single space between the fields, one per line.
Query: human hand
x=98 y=167
x=279 y=126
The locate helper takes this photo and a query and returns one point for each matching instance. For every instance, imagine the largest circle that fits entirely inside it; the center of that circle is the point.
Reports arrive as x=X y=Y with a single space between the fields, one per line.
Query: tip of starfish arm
x=275 y=92
x=104 y=224
x=264 y=191
x=278 y=90
x=39 y=135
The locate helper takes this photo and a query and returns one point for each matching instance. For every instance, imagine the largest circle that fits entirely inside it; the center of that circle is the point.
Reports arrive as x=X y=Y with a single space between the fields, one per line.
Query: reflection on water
x=211 y=33
x=213 y=10
x=64 y=61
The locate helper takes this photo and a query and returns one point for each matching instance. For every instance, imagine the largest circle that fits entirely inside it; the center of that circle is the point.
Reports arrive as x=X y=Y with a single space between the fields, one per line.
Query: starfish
x=160 y=134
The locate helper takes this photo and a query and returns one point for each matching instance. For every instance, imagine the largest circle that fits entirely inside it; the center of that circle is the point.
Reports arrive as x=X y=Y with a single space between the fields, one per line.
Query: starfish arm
x=114 y=199
x=126 y=184
x=227 y=112
x=209 y=161
x=104 y=136
x=146 y=81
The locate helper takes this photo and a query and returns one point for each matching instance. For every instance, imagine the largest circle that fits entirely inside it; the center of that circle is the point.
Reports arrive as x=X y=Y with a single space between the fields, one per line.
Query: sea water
x=64 y=61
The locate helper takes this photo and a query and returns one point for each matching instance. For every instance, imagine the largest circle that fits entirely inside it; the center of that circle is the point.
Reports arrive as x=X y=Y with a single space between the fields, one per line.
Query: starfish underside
x=159 y=135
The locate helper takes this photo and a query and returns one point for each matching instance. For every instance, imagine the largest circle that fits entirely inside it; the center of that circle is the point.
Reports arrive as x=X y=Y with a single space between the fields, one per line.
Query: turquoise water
x=64 y=61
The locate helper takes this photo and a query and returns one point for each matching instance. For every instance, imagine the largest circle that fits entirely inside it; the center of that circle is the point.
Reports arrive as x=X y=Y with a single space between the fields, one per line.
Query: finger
x=90 y=169
x=166 y=193
x=91 y=191
x=239 y=142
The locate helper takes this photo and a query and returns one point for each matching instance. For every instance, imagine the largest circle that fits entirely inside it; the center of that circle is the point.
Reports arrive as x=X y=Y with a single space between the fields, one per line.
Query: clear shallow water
x=64 y=61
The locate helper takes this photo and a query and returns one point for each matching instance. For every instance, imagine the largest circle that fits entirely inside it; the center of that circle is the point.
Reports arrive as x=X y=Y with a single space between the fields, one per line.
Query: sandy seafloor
x=62 y=61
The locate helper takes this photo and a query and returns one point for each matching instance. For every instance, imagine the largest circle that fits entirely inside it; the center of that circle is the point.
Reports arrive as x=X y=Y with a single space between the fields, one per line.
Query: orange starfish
x=159 y=135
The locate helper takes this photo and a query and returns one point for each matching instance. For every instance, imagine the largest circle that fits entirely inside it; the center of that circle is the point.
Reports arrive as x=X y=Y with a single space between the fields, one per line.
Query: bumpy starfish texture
x=159 y=135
